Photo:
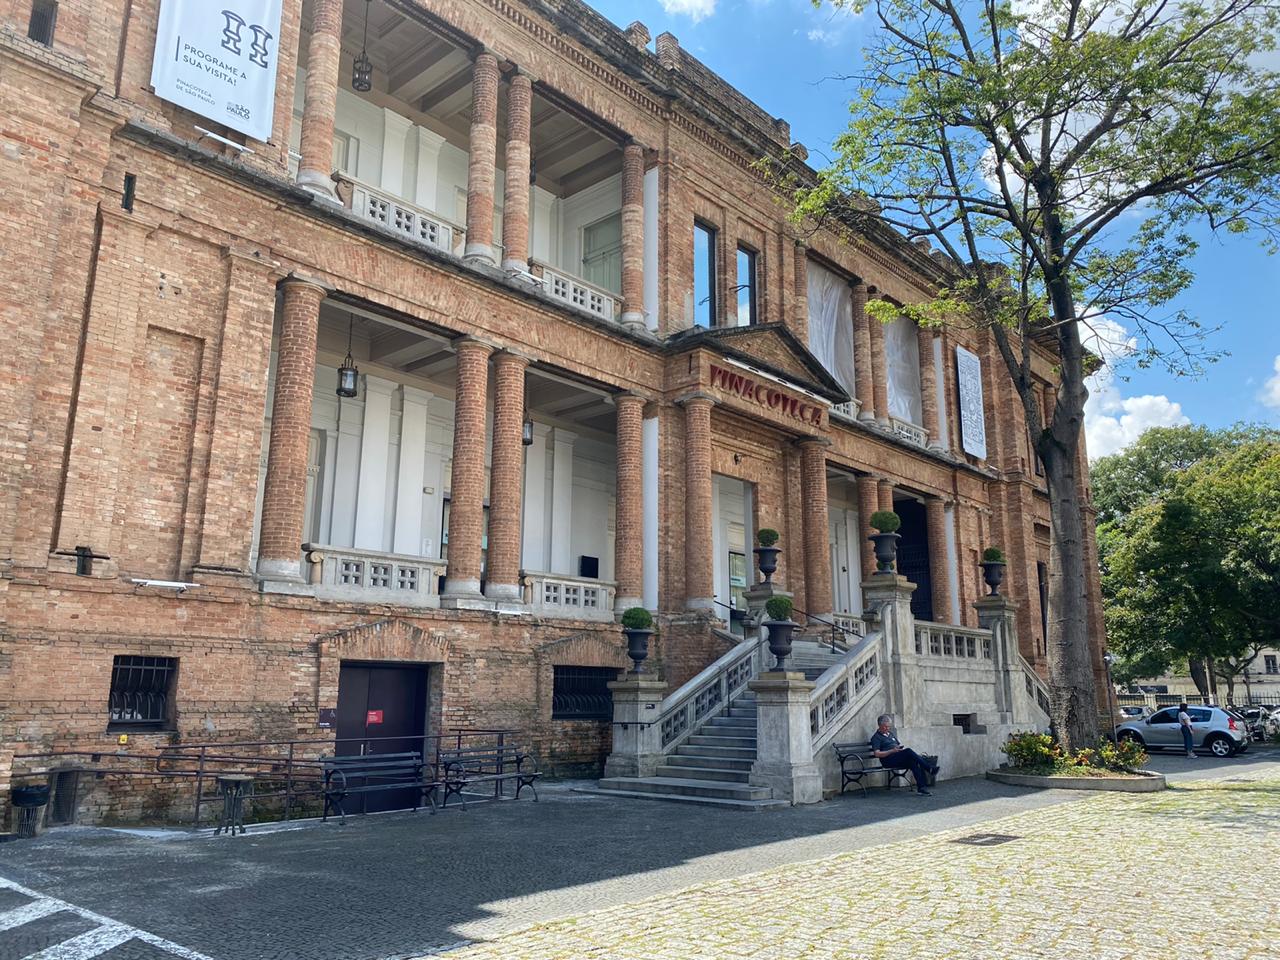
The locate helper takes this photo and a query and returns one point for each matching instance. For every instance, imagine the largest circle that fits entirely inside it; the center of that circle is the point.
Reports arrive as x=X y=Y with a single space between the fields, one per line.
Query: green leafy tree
x=1194 y=574
x=1056 y=151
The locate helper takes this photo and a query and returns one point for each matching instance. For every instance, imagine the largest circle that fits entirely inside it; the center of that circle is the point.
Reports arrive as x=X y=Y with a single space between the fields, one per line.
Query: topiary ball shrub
x=779 y=608
x=886 y=521
x=637 y=618
x=767 y=537
x=993 y=555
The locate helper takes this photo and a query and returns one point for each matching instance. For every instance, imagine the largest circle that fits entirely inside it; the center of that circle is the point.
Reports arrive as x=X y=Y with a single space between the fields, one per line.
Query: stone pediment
x=770 y=347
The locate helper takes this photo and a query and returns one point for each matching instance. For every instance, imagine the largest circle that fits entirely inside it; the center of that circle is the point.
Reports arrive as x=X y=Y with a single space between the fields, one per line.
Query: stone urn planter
x=885 y=539
x=637 y=626
x=781 y=627
x=993 y=569
x=767 y=554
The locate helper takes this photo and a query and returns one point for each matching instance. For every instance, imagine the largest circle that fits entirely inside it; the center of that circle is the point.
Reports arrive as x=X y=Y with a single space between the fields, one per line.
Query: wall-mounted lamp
x=362 y=68
x=347 y=373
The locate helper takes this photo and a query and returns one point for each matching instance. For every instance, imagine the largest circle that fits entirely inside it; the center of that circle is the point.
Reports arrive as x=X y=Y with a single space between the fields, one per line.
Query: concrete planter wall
x=1135 y=783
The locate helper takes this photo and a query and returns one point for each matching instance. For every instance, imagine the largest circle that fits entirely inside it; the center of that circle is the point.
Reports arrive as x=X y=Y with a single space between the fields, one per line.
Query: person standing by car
x=1184 y=721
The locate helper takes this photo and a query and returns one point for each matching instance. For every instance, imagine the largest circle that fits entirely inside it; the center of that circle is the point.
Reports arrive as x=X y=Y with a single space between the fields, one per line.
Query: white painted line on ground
x=27 y=913
x=87 y=945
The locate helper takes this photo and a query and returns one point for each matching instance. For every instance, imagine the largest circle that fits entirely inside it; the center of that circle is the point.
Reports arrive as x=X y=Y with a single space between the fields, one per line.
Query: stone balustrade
x=948 y=640
x=847 y=411
x=909 y=432
x=708 y=693
x=400 y=216
x=576 y=292
x=577 y=598
x=368 y=576
x=842 y=690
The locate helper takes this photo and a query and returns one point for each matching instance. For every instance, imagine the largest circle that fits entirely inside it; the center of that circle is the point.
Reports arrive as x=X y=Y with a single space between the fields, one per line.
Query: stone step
x=688 y=787
x=745 y=806
x=729 y=753
x=731 y=726
x=706 y=739
x=703 y=773
x=748 y=712
x=709 y=763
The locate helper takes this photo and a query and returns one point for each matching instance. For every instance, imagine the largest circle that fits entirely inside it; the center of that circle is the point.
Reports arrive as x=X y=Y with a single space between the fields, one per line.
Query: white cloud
x=1112 y=421
x=697 y=9
x=818 y=35
x=1270 y=395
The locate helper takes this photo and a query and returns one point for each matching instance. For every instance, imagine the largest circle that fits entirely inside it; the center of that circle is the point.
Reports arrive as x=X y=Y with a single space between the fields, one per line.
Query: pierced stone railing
x=575 y=291
x=909 y=432
x=399 y=216
x=843 y=689
x=369 y=576
x=948 y=640
x=850 y=624
x=1037 y=689
x=709 y=693
x=847 y=411
x=578 y=598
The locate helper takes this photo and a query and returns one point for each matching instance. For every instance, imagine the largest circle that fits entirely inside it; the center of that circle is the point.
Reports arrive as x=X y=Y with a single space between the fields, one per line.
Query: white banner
x=973 y=423
x=219 y=59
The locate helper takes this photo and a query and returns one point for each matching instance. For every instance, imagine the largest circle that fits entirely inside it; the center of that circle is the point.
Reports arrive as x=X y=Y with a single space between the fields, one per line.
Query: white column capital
x=379 y=386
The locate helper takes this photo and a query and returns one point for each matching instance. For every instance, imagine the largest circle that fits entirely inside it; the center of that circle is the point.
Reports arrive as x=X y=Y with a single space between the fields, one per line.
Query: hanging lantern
x=527 y=436
x=362 y=68
x=347 y=373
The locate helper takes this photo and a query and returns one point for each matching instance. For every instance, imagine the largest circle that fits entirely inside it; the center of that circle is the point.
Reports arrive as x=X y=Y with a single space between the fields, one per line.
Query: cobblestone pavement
x=1184 y=874
x=404 y=885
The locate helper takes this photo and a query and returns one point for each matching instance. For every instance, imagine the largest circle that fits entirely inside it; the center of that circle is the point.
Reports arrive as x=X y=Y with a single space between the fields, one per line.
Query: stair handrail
x=843 y=688
x=857 y=626
x=708 y=693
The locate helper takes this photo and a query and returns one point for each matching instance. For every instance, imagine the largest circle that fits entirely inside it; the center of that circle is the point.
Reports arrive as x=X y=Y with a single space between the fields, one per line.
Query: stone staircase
x=713 y=764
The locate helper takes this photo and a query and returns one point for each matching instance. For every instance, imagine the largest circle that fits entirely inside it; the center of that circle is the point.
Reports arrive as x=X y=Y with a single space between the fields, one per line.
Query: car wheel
x=1221 y=746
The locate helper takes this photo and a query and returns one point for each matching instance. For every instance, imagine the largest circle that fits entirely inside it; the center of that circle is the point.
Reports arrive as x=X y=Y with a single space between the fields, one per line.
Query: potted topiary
x=637 y=624
x=886 y=537
x=767 y=553
x=780 y=627
x=993 y=569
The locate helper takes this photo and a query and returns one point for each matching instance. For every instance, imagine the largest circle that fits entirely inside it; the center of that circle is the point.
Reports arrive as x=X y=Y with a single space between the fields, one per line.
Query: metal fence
x=1158 y=700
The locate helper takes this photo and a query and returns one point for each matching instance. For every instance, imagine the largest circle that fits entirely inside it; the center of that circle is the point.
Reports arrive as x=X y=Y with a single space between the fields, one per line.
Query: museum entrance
x=382 y=708
x=913 y=555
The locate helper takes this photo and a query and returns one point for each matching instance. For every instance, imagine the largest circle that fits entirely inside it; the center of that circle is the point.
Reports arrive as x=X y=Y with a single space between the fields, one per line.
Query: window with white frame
x=830 y=303
x=602 y=253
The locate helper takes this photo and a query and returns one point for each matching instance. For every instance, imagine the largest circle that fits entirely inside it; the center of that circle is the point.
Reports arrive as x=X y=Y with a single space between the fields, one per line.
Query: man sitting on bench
x=886 y=748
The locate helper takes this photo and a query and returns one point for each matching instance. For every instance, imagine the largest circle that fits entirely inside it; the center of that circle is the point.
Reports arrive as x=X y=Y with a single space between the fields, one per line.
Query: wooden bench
x=460 y=768
x=856 y=761
x=372 y=773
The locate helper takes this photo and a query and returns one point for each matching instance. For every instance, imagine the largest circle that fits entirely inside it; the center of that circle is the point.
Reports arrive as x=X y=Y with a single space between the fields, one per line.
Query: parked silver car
x=1219 y=731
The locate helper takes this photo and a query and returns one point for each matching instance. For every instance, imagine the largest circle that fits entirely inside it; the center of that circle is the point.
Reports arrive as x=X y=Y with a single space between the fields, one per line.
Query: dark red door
x=381 y=709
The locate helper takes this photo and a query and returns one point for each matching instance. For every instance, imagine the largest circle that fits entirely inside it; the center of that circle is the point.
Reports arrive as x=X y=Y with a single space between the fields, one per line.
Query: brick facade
x=141 y=340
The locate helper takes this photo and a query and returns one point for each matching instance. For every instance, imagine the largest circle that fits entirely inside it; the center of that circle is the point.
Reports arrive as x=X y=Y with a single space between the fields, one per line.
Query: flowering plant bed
x=1036 y=760
x=1137 y=781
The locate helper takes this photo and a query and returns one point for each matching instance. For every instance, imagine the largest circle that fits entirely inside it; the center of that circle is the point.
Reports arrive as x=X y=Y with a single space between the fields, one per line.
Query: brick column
x=935 y=509
x=817 y=525
x=929 y=389
x=466 y=493
x=699 y=575
x=628 y=544
x=886 y=494
x=800 y=302
x=862 y=361
x=879 y=372
x=505 y=478
x=284 y=492
x=515 y=210
x=480 y=166
x=868 y=503
x=320 y=103
x=633 y=237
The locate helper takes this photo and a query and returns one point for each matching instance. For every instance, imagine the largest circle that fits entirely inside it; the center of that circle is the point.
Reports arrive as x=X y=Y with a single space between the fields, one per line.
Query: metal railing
x=292 y=770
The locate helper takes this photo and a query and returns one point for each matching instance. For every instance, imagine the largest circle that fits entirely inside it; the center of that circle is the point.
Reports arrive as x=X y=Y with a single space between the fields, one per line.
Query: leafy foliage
x=637 y=618
x=993 y=555
x=779 y=608
x=767 y=537
x=886 y=521
x=1040 y=753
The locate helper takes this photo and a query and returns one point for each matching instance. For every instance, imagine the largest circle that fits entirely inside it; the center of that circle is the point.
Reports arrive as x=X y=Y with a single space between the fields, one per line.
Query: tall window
x=746 y=286
x=1270 y=662
x=44 y=16
x=602 y=253
x=582 y=693
x=704 y=275
x=142 y=691
x=1042 y=581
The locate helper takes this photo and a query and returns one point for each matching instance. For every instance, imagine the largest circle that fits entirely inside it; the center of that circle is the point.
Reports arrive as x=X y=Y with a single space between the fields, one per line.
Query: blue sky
x=784 y=55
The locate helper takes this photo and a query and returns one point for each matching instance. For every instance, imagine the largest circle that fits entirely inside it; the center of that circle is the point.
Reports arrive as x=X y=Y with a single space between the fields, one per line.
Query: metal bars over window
x=582 y=693
x=141 y=689
x=44 y=18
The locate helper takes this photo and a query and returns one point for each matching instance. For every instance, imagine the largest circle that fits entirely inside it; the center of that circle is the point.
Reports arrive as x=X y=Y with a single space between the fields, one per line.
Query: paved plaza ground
x=1186 y=873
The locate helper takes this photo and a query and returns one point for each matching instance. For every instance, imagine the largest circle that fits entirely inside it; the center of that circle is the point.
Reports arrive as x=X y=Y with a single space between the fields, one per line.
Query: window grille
x=140 y=690
x=44 y=17
x=582 y=693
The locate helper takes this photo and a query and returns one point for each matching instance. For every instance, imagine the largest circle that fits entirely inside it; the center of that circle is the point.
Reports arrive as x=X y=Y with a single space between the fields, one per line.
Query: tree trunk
x=1196 y=667
x=1071 y=668
x=1212 y=672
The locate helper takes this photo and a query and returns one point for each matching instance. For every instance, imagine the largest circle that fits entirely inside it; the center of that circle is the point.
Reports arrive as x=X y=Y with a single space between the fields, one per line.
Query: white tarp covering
x=902 y=356
x=219 y=60
x=831 y=324
x=973 y=424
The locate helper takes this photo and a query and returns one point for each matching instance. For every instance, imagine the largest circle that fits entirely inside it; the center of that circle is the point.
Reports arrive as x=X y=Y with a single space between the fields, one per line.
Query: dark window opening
x=1270 y=661
x=1042 y=582
x=582 y=693
x=44 y=17
x=142 y=691
x=746 y=286
x=66 y=786
x=704 y=275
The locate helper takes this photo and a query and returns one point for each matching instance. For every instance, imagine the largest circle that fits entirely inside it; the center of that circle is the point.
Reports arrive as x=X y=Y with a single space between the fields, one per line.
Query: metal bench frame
x=403 y=769
x=471 y=765
x=848 y=753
